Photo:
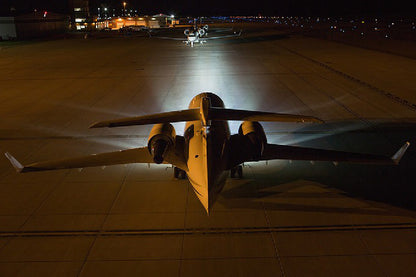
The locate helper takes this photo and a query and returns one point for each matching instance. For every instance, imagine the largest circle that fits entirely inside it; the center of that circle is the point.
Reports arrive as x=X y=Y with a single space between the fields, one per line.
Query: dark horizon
x=232 y=7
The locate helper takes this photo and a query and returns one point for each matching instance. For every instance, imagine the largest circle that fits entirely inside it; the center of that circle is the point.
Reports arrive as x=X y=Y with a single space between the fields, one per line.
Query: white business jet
x=207 y=151
x=199 y=35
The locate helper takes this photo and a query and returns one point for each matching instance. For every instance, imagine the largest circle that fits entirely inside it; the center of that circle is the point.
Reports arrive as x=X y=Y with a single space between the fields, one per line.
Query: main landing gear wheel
x=179 y=173
x=239 y=170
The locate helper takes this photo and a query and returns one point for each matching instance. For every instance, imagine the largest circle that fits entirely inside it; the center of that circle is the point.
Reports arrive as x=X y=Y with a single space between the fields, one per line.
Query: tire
x=240 y=171
x=232 y=172
x=176 y=172
x=182 y=174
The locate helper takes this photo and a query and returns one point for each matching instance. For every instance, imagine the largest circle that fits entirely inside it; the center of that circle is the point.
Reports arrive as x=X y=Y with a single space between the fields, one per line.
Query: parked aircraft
x=199 y=35
x=207 y=152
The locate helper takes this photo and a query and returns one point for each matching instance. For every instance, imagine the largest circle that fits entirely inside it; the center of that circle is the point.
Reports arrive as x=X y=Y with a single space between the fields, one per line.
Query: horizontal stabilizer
x=219 y=114
x=244 y=115
x=168 y=117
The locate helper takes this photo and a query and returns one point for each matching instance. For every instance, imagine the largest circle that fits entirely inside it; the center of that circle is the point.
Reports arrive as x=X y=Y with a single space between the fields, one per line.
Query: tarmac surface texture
x=282 y=219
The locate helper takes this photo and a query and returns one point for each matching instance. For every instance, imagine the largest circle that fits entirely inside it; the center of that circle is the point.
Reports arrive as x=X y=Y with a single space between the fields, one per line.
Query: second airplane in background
x=200 y=35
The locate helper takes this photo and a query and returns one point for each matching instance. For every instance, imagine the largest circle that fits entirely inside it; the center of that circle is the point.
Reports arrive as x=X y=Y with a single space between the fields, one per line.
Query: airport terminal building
x=155 y=21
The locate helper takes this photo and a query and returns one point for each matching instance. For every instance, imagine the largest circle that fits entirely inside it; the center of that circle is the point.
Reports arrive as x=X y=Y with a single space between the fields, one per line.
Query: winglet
x=15 y=163
x=399 y=154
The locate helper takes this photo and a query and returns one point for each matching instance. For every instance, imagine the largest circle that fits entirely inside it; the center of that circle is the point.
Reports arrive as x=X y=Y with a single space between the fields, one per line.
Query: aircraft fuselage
x=205 y=155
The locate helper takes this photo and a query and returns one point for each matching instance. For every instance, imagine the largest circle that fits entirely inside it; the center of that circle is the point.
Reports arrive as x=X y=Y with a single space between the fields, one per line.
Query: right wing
x=135 y=155
x=285 y=152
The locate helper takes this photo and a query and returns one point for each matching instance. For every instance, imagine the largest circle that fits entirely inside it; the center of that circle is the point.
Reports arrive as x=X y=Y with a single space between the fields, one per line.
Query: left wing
x=219 y=37
x=285 y=152
x=135 y=155
x=171 y=38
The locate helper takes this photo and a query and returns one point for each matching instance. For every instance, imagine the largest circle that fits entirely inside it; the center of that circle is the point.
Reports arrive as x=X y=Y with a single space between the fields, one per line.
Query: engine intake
x=256 y=138
x=201 y=32
x=161 y=138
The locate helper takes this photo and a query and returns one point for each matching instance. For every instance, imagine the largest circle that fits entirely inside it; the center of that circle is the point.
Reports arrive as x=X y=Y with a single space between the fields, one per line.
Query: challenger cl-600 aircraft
x=199 y=35
x=207 y=152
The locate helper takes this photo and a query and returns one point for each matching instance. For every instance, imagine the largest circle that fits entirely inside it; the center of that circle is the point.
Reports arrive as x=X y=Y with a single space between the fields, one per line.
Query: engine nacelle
x=205 y=28
x=257 y=141
x=186 y=32
x=161 y=138
x=201 y=32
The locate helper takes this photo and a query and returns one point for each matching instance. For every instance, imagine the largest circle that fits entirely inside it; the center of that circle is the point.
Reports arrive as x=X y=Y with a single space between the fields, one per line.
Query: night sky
x=231 y=7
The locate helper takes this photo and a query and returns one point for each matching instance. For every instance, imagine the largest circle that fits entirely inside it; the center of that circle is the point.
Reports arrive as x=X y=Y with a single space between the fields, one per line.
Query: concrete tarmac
x=282 y=219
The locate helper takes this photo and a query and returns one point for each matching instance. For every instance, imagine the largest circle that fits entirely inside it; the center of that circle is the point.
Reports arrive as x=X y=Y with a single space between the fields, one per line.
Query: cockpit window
x=189 y=132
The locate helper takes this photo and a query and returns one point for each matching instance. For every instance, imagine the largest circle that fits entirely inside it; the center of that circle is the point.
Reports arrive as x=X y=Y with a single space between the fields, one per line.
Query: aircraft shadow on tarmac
x=392 y=185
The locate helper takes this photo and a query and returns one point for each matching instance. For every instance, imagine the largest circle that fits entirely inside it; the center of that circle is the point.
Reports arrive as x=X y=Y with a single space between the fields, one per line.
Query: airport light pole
x=124 y=8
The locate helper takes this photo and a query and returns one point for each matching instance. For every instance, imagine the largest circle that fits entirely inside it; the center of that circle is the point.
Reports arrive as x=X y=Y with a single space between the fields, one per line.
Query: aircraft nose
x=205 y=187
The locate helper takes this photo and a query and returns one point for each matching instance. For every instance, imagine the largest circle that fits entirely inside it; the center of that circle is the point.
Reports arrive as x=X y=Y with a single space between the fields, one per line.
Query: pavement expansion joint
x=202 y=231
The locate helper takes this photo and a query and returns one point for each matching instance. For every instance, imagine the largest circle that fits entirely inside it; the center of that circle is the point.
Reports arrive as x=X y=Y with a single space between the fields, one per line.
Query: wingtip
x=312 y=119
x=15 y=163
x=98 y=125
x=400 y=153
